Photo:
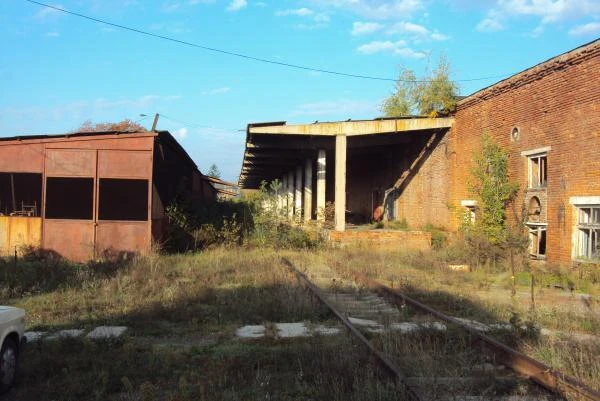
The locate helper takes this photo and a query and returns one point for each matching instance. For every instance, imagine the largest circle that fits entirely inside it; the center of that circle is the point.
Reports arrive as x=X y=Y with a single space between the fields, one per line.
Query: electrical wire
x=241 y=55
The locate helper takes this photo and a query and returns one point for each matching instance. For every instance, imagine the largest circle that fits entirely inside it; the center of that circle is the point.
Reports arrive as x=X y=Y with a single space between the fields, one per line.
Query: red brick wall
x=556 y=104
x=383 y=239
x=424 y=199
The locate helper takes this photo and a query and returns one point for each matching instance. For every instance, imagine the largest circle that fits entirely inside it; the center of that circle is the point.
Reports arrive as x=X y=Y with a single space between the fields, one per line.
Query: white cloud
x=52 y=34
x=592 y=28
x=170 y=6
x=47 y=12
x=341 y=108
x=490 y=25
x=365 y=28
x=181 y=133
x=300 y=12
x=547 y=11
x=399 y=48
x=260 y=4
x=374 y=9
x=416 y=31
x=217 y=91
x=237 y=5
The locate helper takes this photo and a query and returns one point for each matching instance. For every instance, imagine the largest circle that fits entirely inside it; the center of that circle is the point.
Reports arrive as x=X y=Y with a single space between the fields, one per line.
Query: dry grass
x=485 y=295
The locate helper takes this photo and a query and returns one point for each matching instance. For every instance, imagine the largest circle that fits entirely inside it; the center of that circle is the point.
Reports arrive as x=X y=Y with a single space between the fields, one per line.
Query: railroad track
x=430 y=355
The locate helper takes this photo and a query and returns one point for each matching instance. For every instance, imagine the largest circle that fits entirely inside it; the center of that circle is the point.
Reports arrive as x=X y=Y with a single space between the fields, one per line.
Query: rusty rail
x=392 y=368
x=543 y=375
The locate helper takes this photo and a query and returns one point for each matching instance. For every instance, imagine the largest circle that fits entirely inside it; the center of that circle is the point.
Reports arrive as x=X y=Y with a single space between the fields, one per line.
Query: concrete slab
x=101 y=332
x=326 y=331
x=251 y=331
x=405 y=327
x=71 y=333
x=290 y=330
x=364 y=322
x=33 y=336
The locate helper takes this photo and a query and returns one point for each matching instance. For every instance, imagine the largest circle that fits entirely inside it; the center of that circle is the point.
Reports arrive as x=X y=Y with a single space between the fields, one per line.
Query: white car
x=12 y=340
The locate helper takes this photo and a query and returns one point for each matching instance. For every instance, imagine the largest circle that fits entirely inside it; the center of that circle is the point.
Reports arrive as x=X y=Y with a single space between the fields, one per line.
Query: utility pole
x=155 y=122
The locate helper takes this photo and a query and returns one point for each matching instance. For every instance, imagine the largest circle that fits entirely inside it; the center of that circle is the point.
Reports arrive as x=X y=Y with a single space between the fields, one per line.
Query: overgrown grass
x=485 y=295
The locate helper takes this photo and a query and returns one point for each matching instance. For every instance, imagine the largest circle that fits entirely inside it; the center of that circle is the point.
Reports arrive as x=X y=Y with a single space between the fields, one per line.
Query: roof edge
x=538 y=71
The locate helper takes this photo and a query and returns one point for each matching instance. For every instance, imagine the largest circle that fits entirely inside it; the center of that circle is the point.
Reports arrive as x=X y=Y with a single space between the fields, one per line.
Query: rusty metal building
x=87 y=195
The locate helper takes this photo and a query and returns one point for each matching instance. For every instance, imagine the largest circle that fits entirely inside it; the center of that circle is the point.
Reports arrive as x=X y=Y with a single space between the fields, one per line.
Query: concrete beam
x=321 y=184
x=308 y=164
x=290 y=195
x=298 y=195
x=340 y=182
x=354 y=128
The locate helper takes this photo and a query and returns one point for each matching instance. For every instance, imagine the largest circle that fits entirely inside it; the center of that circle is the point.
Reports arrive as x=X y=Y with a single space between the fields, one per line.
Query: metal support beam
x=340 y=183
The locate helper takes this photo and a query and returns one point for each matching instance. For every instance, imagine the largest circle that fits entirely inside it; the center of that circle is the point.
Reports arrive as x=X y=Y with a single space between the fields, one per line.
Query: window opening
x=538 y=171
x=537 y=241
x=124 y=200
x=69 y=198
x=588 y=232
x=20 y=194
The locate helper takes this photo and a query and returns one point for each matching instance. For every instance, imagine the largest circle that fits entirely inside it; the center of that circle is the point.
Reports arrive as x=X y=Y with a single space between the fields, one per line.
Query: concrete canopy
x=274 y=148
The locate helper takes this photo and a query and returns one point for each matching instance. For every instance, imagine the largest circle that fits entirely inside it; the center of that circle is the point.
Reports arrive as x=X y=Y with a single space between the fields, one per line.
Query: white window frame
x=535 y=231
x=586 y=232
x=539 y=180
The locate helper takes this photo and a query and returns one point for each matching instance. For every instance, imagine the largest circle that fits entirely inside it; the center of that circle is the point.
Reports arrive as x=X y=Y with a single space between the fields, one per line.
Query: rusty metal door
x=124 y=234
x=74 y=226
x=69 y=235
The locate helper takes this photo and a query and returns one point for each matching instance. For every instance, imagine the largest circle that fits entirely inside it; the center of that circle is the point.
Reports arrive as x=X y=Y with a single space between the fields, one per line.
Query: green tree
x=493 y=190
x=213 y=171
x=434 y=94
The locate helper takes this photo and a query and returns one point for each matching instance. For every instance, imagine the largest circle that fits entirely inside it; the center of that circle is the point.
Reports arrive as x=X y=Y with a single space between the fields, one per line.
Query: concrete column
x=283 y=196
x=321 y=176
x=290 y=195
x=298 y=195
x=308 y=190
x=340 y=182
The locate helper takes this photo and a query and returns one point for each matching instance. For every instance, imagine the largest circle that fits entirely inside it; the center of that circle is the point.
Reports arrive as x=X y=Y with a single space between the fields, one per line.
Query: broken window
x=125 y=200
x=538 y=170
x=70 y=198
x=537 y=241
x=20 y=194
x=470 y=211
x=588 y=232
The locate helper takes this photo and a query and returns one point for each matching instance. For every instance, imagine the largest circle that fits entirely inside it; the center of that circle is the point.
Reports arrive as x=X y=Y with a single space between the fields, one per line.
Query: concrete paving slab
x=290 y=330
x=251 y=331
x=101 y=332
x=33 y=336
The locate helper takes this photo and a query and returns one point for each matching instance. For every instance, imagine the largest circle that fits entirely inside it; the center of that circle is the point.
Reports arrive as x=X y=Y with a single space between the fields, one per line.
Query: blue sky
x=58 y=70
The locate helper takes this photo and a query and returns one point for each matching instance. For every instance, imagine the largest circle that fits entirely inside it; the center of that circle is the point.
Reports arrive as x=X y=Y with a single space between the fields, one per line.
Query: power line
x=241 y=55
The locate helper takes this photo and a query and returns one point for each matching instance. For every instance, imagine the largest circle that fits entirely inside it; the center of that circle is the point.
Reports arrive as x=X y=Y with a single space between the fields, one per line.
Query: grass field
x=183 y=310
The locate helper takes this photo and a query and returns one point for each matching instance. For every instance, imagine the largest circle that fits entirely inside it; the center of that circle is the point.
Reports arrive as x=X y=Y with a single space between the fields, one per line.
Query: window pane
x=69 y=198
x=596 y=216
x=595 y=244
x=542 y=243
x=123 y=200
x=584 y=238
x=20 y=194
x=584 y=216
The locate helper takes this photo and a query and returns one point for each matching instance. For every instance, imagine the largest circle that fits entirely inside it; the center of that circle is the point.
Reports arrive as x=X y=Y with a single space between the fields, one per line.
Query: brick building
x=547 y=117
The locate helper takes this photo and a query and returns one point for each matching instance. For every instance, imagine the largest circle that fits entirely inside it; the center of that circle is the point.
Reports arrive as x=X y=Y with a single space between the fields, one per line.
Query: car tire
x=9 y=359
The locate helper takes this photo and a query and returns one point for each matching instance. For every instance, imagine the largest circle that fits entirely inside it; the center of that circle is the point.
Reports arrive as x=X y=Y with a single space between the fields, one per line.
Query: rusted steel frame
x=383 y=359
x=520 y=363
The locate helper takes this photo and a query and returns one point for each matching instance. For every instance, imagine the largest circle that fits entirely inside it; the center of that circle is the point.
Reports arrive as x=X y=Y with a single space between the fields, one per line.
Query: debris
x=101 y=332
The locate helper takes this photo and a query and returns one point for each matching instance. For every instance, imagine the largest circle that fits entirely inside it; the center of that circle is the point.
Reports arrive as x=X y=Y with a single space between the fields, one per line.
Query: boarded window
x=70 y=198
x=125 y=200
x=20 y=194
